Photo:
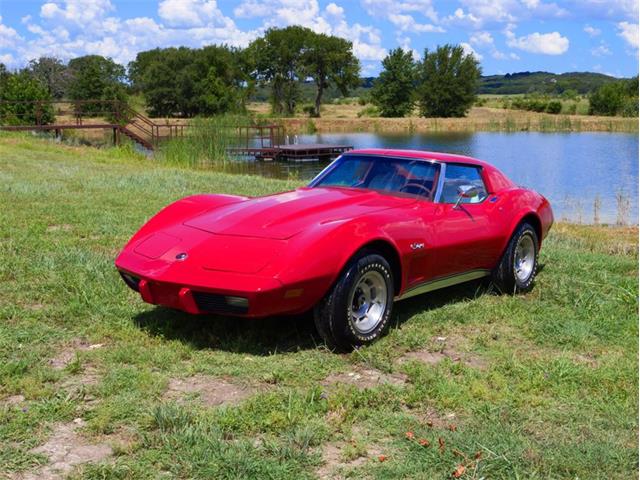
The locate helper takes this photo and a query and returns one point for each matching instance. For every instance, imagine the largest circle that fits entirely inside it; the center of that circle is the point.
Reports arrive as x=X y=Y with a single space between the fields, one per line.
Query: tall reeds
x=205 y=142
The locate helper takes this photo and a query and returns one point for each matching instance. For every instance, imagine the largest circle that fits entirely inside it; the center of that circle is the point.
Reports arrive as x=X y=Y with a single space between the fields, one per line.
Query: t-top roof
x=441 y=157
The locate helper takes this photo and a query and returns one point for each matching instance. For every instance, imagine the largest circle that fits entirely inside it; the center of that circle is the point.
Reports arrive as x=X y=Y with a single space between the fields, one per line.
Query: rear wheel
x=357 y=309
x=519 y=264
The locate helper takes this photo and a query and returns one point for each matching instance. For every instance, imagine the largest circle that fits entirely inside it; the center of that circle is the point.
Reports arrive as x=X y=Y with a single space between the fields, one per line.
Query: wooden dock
x=295 y=152
x=268 y=142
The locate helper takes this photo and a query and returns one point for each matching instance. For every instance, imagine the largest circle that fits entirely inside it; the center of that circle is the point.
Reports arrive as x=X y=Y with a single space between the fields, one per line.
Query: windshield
x=400 y=175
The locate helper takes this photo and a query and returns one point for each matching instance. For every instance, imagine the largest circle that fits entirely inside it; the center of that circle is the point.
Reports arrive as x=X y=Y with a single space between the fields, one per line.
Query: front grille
x=216 y=303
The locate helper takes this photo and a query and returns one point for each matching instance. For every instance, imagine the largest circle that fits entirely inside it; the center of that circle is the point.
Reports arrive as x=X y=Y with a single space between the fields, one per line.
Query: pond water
x=584 y=175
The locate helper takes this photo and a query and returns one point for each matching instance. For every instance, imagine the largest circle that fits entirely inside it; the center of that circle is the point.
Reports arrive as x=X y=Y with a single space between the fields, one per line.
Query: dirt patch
x=212 y=391
x=334 y=460
x=14 y=400
x=441 y=348
x=363 y=378
x=587 y=359
x=65 y=449
x=68 y=354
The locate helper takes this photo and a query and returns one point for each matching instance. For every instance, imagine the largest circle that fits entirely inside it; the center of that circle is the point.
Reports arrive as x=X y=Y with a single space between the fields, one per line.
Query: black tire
x=506 y=276
x=333 y=314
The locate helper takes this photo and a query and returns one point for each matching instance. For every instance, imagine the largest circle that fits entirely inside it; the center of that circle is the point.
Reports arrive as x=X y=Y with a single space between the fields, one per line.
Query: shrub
x=554 y=106
x=22 y=88
x=607 y=100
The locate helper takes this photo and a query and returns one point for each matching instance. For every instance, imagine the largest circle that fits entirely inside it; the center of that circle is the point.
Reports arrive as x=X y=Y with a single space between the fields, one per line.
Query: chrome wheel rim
x=524 y=258
x=368 y=302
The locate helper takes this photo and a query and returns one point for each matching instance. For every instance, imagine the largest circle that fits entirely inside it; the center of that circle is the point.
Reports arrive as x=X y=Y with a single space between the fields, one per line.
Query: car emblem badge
x=181 y=256
x=417 y=246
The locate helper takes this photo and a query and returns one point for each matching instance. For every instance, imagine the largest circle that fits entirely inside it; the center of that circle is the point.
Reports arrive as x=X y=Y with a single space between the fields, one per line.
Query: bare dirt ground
x=65 y=449
x=211 y=391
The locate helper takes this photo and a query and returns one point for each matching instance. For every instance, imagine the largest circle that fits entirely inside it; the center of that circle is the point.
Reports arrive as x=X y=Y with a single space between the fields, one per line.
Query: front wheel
x=356 y=311
x=519 y=264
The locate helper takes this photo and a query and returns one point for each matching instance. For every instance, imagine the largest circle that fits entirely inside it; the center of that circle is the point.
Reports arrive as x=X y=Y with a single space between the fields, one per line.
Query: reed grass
x=205 y=142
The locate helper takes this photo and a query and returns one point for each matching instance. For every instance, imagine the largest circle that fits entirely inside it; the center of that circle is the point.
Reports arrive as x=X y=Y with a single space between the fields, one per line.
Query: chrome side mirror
x=466 y=191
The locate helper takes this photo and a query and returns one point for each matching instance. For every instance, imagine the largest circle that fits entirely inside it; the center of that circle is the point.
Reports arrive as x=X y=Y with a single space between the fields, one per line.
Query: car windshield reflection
x=385 y=174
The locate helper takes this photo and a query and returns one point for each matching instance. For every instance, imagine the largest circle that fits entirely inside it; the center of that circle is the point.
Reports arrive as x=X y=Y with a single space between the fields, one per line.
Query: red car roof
x=442 y=157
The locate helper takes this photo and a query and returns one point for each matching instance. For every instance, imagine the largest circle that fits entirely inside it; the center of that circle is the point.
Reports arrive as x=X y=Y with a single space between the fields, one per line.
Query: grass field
x=95 y=384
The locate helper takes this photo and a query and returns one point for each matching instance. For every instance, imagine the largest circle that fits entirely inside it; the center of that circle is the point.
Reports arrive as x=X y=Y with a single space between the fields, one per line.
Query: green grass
x=555 y=395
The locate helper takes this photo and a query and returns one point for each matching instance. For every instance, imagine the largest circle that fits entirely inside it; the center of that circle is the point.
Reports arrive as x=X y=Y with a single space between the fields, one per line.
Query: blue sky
x=506 y=35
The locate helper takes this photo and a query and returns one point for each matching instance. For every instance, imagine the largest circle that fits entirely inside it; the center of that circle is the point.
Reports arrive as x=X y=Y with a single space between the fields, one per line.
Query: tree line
x=218 y=79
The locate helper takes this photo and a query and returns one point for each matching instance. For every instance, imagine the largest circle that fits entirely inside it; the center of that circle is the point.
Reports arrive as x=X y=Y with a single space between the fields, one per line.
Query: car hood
x=283 y=215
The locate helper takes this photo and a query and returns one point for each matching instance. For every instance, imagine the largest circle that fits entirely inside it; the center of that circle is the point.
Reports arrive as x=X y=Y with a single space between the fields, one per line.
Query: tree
x=447 y=82
x=32 y=101
x=392 y=93
x=616 y=98
x=95 y=81
x=278 y=60
x=607 y=100
x=329 y=60
x=188 y=82
x=52 y=73
x=4 y=73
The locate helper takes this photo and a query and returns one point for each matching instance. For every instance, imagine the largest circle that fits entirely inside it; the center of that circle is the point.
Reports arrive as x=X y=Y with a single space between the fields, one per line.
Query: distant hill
x=542 y=82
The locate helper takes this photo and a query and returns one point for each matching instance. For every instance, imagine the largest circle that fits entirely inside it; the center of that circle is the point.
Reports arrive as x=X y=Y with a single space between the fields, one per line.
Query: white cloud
x=406 y=23
x=476 y=13
x=462 y=19
x=468 y=49
x=600 y=9
x=545 y=43
x=592 y=31
x=188 y=13
x=334 y=10
x=481 y=39
x=601 y=50
x=629 y=32
x=9 y=38
x=385 y=8
x=79 y=12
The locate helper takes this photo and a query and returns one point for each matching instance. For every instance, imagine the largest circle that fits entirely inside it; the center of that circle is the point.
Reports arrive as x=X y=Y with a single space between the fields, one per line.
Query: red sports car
x=374 y=227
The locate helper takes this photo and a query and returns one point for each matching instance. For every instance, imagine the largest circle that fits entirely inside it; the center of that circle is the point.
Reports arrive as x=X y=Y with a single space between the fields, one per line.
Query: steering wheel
x=419 y=186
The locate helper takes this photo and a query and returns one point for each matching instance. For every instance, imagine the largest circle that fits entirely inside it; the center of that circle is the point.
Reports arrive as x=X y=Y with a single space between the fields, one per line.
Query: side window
x=458 y=175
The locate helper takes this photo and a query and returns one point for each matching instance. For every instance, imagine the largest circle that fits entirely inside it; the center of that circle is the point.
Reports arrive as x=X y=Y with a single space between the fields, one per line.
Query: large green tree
x=94 y=79
x=329 y=60
x=447 y=82
x=188 y=82
x=393 y=91
x=52 y=73
x=278 y=60
x=24 y=101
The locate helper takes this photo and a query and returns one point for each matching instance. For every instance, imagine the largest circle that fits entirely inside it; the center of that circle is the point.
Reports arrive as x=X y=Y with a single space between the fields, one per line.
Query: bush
x=21 y=87
x=630 y=107
x=554 y=106
x=370 y=111
x=607 y=100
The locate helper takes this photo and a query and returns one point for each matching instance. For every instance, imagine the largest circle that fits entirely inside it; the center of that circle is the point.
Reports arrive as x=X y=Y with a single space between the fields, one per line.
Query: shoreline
x=494 y=120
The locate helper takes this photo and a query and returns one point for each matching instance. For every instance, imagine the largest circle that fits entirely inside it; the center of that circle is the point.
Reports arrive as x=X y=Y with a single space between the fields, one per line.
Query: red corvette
x=374 y=227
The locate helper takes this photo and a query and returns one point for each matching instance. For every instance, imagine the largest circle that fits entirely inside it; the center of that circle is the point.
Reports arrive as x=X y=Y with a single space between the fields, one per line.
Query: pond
x=586 y=176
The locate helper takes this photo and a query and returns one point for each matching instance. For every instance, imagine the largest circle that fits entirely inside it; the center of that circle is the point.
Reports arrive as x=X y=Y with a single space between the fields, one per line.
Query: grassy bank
x=540 y=385
x=345 y=118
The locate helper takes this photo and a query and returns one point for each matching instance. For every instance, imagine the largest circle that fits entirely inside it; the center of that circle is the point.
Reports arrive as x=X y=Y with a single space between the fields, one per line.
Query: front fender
x=317 y=257
x=181 y=210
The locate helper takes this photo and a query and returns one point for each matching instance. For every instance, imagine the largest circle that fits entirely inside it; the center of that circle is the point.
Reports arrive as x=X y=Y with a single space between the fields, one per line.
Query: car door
x=459 y=236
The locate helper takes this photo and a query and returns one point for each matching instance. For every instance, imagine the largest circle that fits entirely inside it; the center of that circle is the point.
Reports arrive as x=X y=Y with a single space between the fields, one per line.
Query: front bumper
x=237 y=295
